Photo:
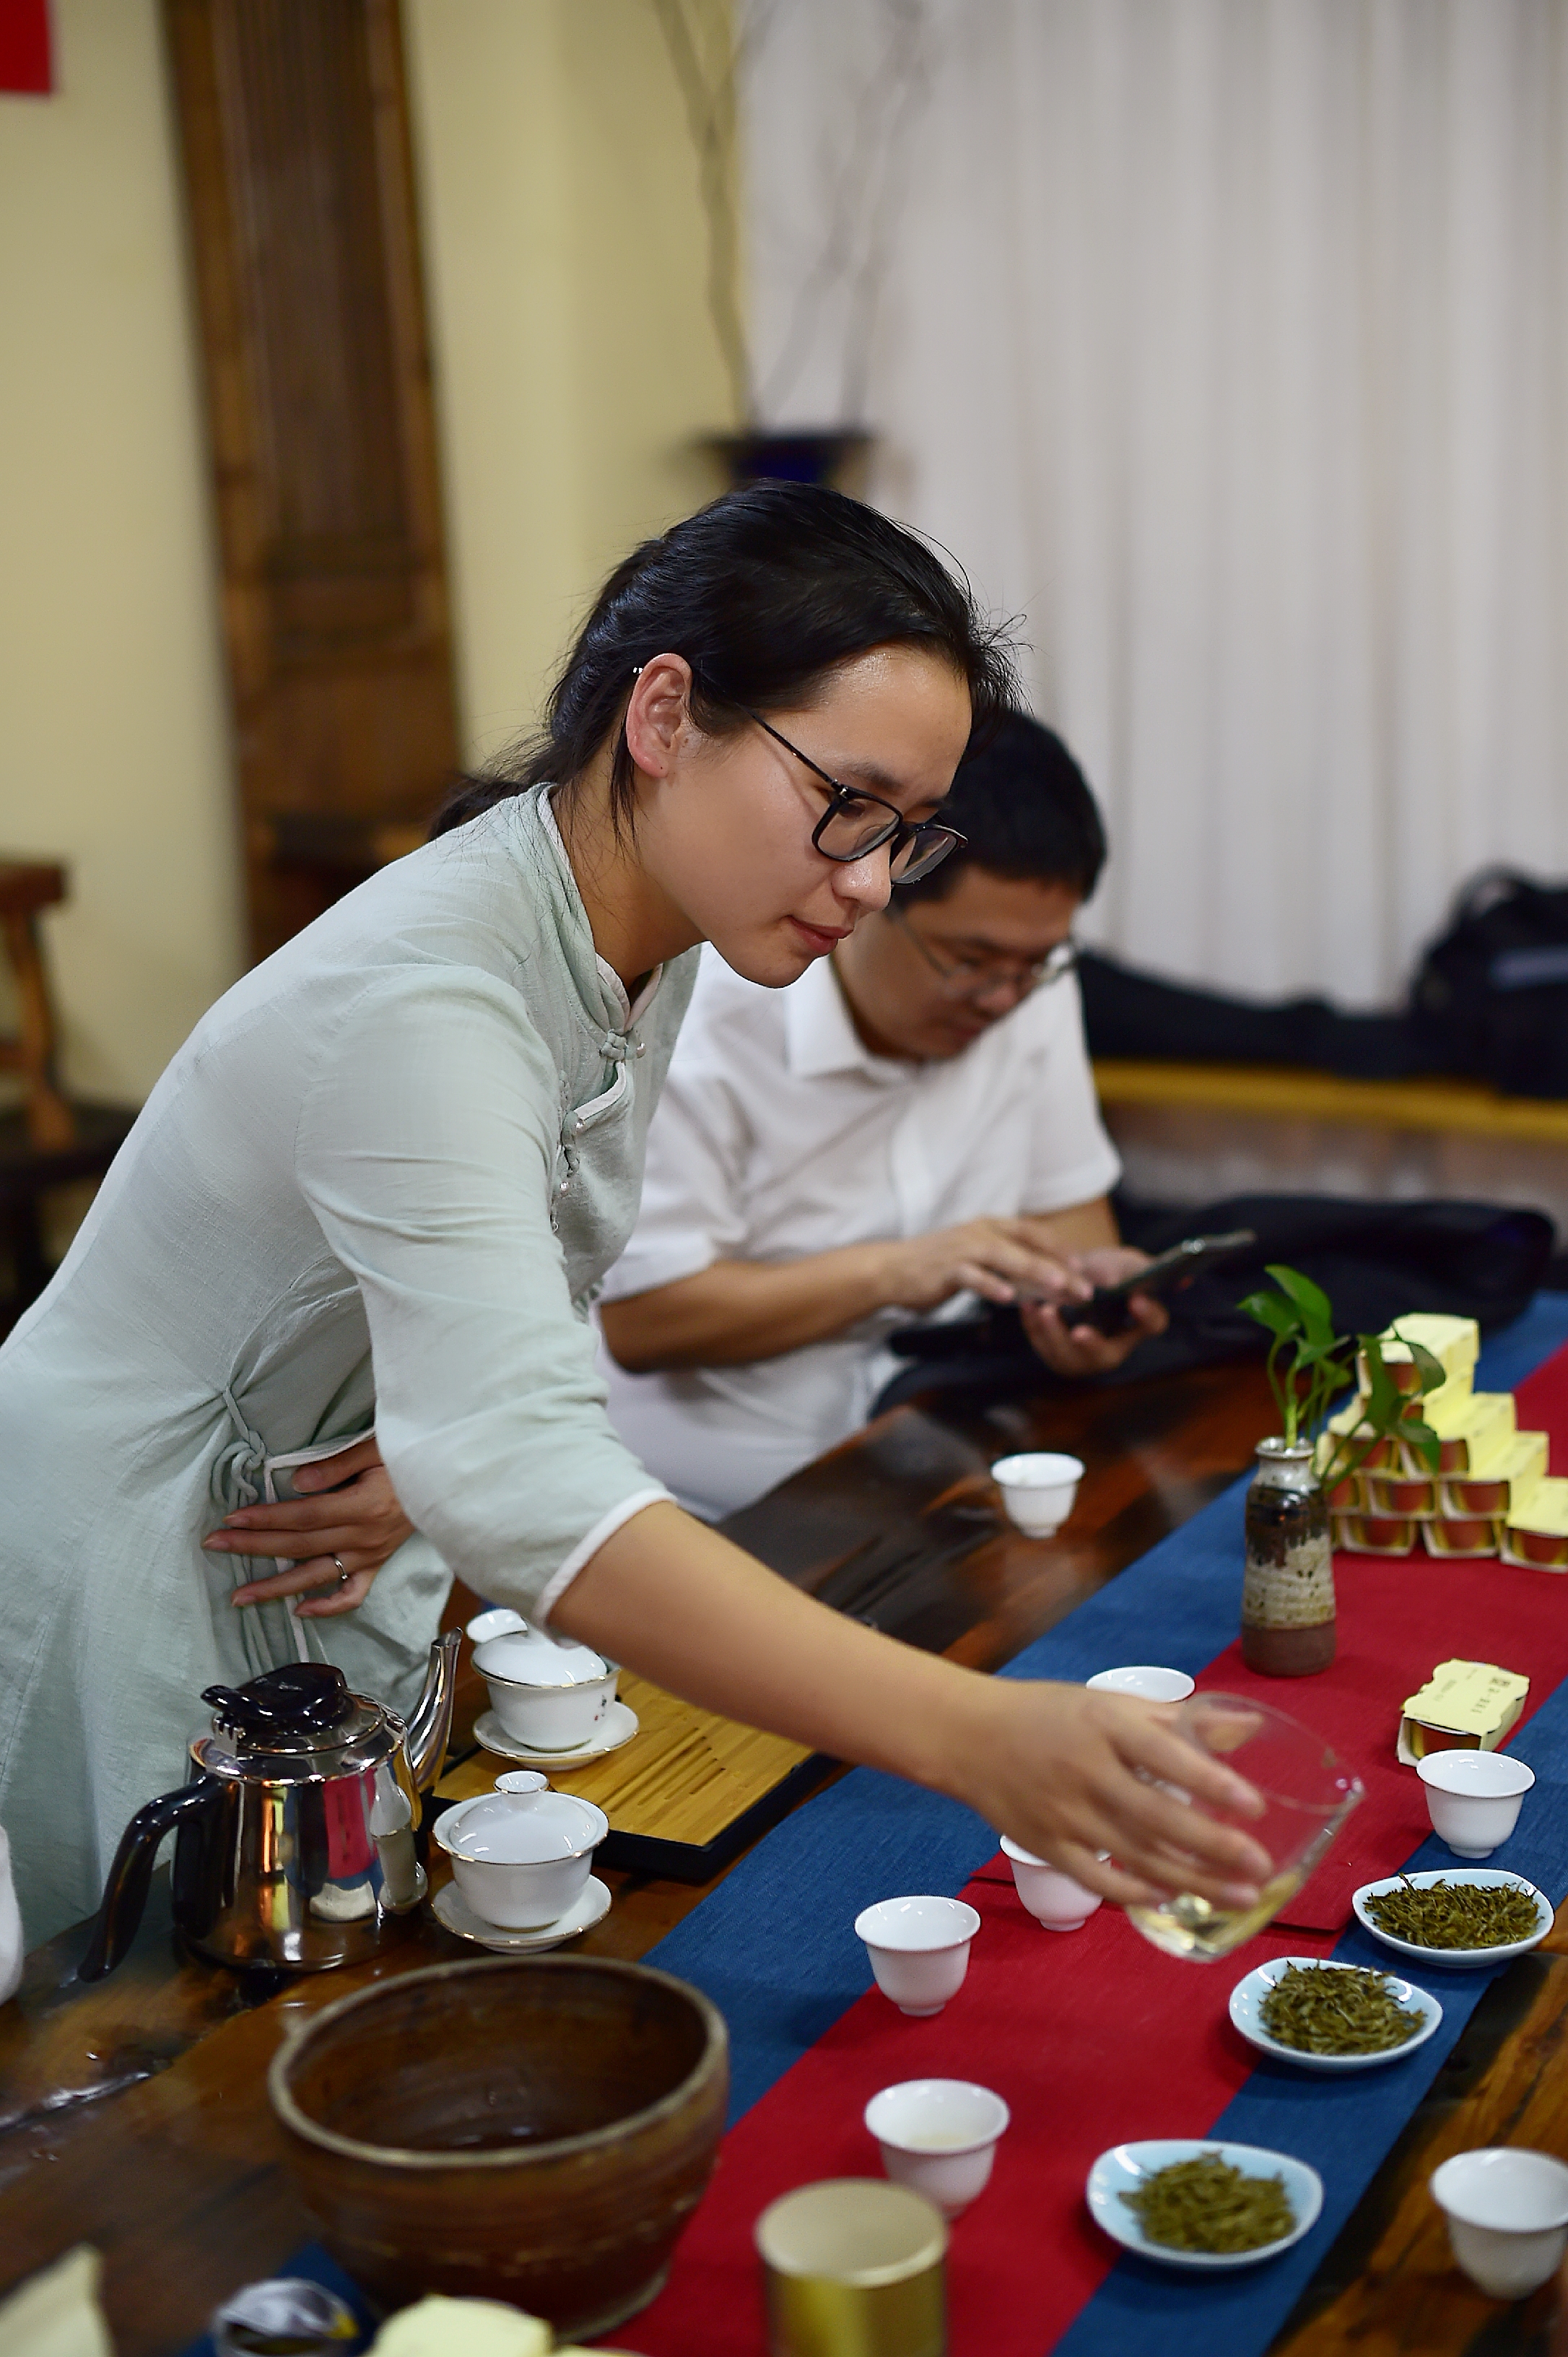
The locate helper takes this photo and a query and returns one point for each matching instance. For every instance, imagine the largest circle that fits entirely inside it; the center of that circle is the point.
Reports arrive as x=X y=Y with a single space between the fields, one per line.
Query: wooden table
x=134 y=2115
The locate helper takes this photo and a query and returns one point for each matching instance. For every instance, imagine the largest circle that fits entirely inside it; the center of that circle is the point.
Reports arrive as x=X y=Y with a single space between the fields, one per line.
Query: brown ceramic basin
x=537 y=2130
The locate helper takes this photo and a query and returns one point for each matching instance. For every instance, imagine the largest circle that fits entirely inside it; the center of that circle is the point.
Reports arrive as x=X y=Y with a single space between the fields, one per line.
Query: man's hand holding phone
x=1084 y=1349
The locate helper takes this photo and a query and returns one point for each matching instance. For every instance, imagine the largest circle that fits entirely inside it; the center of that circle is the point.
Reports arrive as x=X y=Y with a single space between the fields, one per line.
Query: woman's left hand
x=338 y=1539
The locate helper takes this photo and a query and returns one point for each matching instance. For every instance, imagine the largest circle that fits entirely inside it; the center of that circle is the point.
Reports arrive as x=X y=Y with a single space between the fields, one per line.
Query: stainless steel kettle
x=294 y=1838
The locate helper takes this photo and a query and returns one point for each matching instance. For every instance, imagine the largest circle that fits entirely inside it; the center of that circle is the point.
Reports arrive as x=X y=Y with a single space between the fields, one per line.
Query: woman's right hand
x=1070 y=1774
x=1065 y=1771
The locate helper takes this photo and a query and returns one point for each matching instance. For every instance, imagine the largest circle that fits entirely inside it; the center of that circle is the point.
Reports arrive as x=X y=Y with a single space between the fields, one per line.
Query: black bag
x=1376 y=1261
x=1129 y=1013
x=1490 y=996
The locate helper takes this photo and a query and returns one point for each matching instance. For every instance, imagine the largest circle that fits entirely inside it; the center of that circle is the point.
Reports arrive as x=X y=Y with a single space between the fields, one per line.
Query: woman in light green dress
x=381 y=1180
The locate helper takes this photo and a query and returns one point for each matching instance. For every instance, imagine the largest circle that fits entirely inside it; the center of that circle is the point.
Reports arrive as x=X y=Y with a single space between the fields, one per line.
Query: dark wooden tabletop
x=134 y=2114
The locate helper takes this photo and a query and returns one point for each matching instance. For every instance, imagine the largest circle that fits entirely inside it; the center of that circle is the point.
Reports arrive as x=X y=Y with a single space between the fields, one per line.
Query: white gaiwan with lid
x=547 y=1695
x=520 y=1856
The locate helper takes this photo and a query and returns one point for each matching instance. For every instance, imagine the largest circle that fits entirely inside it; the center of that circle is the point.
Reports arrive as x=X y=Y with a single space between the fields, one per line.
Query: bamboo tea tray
x=683 y=1797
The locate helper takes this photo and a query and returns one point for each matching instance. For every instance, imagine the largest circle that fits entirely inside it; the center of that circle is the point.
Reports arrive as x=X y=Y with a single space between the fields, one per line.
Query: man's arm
x=734 y=1312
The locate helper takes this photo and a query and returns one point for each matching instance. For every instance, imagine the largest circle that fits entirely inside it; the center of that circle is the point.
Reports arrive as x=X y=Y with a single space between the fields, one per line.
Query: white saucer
x=1247 y=1997
x=1119 y=2170
x=1455 y=1960
x=618 y=1725
x=452 y=1910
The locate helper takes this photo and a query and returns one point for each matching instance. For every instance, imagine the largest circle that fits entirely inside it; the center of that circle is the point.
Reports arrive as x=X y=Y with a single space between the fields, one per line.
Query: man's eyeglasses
x=855 y=824
x=976 y=977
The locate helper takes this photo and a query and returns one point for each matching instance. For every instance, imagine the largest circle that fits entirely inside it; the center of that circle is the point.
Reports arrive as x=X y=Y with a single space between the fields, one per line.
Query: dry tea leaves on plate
x=1208 y=2204
x=1336 y=2009
x=1456 y=1914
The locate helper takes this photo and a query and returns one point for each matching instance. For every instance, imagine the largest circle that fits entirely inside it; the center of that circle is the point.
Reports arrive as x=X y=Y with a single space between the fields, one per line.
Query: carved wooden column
x=298 y=176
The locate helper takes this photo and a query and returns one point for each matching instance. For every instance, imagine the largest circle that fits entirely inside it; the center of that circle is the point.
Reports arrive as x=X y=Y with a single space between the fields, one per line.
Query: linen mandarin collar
x=821 y=1039
x=600 y=990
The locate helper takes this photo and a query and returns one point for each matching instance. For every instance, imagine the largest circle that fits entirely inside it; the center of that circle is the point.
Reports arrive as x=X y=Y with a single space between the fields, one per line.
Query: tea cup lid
x=526 y=1657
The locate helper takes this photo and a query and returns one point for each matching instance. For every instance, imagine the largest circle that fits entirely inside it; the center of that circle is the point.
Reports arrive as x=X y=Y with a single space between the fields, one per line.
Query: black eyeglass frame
x=898 y=831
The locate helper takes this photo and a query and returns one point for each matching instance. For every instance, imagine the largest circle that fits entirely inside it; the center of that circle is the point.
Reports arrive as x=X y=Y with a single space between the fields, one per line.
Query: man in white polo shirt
x=911 y=1123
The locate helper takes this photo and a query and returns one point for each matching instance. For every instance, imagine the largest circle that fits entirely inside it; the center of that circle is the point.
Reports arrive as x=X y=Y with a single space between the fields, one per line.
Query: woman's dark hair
x=1025 y=810
x=764 y=593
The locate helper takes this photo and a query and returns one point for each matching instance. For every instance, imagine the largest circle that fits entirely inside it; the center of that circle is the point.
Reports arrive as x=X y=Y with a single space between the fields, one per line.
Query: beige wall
x=574 y=364
x=113 y=732
x=565 y=255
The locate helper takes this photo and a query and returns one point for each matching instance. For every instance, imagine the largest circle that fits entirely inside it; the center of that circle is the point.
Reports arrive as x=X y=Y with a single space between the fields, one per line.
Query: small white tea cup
x=938 y=2137
x=1145 y=1680
x=1473 y=1798
x=918 y=1948
x=1052 y=1898
x=1037 y=1490
x=1507 y=2217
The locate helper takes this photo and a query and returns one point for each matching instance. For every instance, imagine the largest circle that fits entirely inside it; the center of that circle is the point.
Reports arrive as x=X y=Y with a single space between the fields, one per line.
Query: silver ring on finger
x=342 y=1571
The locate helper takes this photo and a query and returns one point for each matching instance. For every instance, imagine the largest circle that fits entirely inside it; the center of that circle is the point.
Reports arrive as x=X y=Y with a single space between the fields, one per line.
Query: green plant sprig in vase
x=1288 y=1614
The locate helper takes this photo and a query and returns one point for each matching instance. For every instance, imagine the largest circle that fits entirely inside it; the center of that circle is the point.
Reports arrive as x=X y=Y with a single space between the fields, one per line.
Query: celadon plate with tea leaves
x=1455 y=1960
x=1123 y=2169
x=1246 y=2012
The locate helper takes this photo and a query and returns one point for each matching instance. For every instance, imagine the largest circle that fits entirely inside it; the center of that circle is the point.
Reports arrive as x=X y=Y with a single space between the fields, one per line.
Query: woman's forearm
x=1070 y=1773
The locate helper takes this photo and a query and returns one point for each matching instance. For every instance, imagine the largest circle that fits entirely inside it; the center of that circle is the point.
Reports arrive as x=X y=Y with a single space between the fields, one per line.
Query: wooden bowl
x=536 y=2130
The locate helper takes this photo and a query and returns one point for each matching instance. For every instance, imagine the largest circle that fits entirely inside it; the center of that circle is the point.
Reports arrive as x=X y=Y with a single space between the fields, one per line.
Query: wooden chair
x=48 y=1140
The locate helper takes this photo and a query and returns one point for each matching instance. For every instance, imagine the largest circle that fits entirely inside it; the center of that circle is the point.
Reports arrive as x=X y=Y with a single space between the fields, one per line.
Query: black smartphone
x=1106 y=1308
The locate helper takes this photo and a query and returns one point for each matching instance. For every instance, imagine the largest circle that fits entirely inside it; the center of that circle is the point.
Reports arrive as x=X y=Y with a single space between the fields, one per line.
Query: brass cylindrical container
x=854 y=2268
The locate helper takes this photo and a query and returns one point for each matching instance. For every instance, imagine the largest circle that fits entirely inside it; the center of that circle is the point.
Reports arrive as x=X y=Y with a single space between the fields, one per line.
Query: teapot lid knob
x=522 y=1780
x=300 y=1698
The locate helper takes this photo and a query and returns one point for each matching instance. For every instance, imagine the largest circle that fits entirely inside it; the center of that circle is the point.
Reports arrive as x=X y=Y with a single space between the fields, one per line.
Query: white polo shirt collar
x=820 y=1037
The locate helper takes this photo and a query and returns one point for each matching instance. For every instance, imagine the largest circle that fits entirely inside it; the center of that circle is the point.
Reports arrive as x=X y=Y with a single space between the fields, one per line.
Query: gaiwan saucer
x=618 y=1725
x=452 y=1910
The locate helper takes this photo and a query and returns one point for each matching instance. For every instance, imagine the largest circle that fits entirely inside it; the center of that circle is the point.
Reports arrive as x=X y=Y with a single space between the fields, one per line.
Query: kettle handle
x=125 y=1892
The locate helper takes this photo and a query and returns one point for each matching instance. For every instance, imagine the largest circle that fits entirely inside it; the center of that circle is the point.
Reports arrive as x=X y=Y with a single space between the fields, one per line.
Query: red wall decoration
x=26 y=62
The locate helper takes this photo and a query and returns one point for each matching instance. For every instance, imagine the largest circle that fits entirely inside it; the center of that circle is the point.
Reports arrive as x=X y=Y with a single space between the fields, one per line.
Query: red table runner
x=1095 y=2035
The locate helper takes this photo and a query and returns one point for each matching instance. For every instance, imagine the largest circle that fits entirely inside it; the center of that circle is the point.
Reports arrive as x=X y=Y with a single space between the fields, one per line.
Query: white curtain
x=1226 y=341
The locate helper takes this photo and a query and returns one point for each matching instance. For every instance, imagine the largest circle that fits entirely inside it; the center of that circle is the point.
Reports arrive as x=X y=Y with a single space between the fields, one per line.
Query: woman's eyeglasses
x=967 y=977
x=855 y=824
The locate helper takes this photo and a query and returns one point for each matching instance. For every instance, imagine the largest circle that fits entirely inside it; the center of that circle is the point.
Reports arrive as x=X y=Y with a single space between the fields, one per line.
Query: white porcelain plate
x=452 y=1910
x=618 y=1725
x=1246 y=2002
x=1119 y=2170
x=1455 y=1960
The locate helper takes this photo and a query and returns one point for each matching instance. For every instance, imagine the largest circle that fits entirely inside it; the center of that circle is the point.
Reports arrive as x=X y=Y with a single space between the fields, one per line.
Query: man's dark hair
x=1025 y=807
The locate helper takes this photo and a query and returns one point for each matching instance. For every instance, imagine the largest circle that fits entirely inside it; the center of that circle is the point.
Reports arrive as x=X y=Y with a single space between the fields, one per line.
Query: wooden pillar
x=298 y=177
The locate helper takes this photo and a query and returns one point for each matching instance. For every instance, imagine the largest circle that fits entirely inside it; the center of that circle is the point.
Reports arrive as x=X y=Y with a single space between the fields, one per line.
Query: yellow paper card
x=1468 y=1705
x=1483 y=1418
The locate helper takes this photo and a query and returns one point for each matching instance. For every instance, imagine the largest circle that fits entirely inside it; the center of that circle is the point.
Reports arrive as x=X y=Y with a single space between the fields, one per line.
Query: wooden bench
x=1192 y=1132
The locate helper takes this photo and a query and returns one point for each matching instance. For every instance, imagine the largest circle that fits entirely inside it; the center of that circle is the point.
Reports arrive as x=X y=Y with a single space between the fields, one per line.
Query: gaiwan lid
x=523 y=1823
x=526 y=1657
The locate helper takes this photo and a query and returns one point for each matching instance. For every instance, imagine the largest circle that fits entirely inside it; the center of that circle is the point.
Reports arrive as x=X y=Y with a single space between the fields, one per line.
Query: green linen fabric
x=379 y=1184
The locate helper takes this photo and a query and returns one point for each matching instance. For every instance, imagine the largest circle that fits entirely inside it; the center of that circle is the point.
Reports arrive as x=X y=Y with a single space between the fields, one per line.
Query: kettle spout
x=430 y=1722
